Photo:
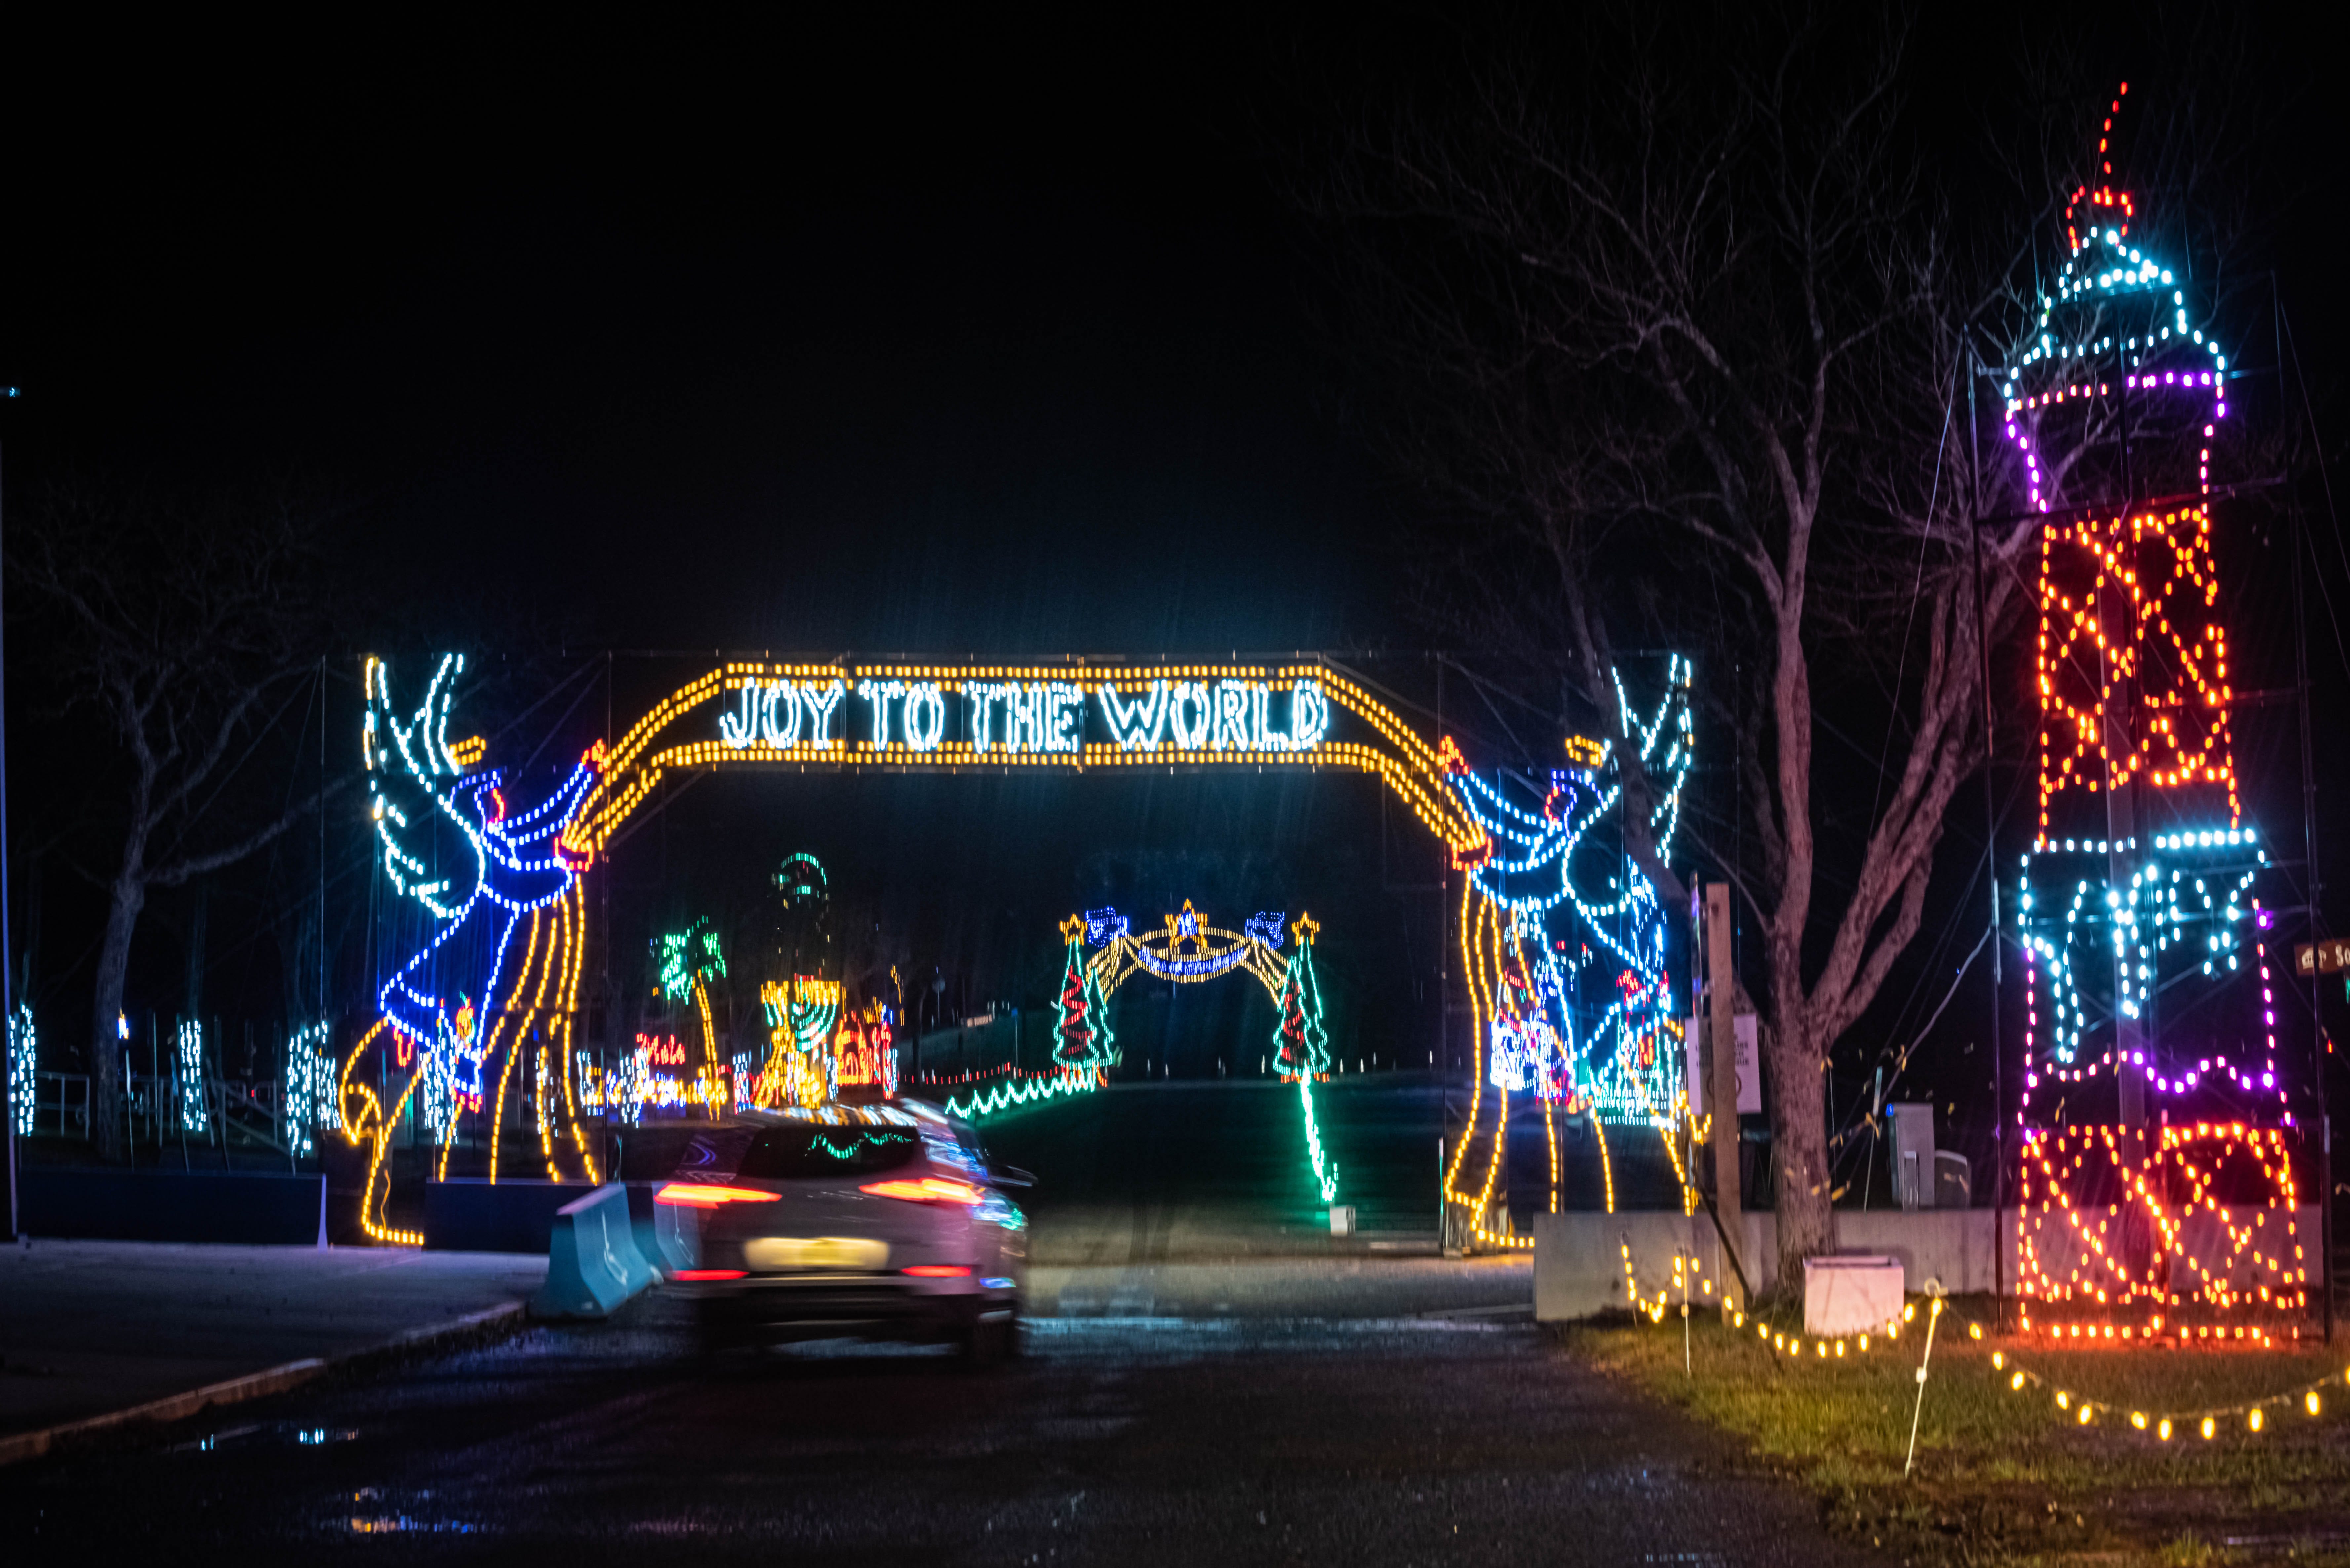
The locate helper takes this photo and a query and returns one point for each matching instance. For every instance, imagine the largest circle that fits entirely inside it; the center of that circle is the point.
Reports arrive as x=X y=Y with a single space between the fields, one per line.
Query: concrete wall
x=253 y=1209
x=1579 y=1258
x=473 y=1215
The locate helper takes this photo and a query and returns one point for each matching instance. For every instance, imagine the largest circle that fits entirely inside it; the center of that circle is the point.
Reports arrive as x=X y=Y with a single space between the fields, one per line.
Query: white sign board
x=1750 y=1075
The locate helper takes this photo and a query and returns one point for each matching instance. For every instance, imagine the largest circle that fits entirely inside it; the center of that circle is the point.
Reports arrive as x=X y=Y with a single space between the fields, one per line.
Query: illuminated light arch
x=768 y=715
x=852 y=717
x=1081 y=1033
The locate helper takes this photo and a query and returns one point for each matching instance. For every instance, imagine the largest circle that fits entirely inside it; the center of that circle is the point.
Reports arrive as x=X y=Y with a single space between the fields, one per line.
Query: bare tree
x=189 y=640
x=1683 y=348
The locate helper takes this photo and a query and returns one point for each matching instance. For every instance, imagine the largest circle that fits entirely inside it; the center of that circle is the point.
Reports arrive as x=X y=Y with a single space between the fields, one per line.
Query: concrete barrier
x=1579 y=1258
x=592 y=1261
x=257 y=1210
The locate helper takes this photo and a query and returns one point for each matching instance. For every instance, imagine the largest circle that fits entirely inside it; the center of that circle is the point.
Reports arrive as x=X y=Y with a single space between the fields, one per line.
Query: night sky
x=977 y=336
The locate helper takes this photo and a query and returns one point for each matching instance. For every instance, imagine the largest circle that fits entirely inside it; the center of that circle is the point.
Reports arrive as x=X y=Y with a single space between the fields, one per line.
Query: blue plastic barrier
x=668 y=1234
x=592 y=1261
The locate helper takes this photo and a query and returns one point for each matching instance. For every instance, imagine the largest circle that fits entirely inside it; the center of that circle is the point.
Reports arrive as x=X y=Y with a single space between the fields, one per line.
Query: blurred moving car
x=864 y=1221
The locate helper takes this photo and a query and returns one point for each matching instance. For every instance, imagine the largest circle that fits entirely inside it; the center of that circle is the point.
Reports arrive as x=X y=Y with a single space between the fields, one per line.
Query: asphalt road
x=1144 y=1173
x=1306 y=1419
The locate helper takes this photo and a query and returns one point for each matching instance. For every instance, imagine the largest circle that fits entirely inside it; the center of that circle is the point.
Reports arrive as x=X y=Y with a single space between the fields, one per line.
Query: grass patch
x=2004 y=1477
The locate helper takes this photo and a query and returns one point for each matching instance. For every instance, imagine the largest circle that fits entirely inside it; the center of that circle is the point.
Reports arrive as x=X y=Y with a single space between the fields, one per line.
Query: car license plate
x=825 y=1254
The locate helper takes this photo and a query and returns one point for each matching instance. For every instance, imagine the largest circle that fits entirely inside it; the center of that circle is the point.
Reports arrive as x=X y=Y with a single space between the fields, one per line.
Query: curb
x=23 y=1446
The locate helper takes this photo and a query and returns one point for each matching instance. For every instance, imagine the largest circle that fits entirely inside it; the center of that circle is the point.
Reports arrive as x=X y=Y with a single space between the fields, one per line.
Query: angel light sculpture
x=463 y=1010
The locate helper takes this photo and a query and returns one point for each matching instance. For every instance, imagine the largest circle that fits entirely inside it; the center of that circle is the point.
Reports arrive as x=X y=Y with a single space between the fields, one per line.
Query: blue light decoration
x=1586 y=1019
x=24 y=1061
x=504 y=874
x=309 y=1092
x=195 y=1104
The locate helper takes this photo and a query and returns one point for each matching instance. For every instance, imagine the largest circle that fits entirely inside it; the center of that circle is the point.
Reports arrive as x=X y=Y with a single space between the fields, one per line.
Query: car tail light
x=691 y=1195
x=937 y=1272
x=929 y=1190
x=710 y=1273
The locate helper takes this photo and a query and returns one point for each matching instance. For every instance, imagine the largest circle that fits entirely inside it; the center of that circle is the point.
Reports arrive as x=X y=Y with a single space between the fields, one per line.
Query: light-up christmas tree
x=1301 y=1045
x=2154 y=1184
x=1082 y=1040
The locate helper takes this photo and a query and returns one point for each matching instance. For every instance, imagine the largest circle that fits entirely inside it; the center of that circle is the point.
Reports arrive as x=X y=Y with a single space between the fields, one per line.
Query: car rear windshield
x=781 y=1154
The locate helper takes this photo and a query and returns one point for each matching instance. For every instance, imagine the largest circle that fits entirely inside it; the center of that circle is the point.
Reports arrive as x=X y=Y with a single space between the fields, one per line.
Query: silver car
x=864 y=1221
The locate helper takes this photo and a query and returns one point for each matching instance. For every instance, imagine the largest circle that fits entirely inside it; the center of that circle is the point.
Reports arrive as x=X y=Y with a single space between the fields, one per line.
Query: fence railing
x=159 y=1109
x=61 y=1105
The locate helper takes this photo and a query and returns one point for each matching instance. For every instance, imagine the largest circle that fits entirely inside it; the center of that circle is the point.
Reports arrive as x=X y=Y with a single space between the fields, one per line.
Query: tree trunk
x=106 y=1007
x=1798 y=1147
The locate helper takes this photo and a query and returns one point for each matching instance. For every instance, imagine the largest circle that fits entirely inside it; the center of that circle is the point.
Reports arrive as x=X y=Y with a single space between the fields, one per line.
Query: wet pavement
x=1326 y=1414
x=90 y=1327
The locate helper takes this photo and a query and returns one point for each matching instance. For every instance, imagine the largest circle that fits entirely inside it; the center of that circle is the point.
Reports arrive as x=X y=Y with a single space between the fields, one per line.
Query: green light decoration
x=1301 y=1045
x=1003 y=1096
x=1326 y=1171
x=1082 y=1040
x=1187 y=951
x=687 y=956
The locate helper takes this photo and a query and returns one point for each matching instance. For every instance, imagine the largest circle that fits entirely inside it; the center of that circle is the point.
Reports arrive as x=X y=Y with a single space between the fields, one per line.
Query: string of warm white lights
x=2080 y=1410
x=2086 y=1410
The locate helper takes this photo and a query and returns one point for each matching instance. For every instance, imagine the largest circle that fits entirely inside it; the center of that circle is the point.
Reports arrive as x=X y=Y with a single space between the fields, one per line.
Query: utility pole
x=9 y=1087
x=1720 y=1060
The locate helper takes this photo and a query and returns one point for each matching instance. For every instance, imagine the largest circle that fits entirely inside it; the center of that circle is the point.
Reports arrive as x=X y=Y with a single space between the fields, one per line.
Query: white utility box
x=1850 y=1295
x=1342 y=1218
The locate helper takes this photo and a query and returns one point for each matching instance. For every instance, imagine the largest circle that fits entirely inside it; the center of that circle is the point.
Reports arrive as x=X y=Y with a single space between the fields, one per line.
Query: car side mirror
x=1010 y=1176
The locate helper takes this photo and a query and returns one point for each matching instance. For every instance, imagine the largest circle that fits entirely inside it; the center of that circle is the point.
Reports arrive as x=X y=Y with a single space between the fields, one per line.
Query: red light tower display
x=2155 y=1197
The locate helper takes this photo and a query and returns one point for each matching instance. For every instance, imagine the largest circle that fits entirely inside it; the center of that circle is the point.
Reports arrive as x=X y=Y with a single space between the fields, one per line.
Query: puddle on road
x=259 y=1434
x=400 y=1523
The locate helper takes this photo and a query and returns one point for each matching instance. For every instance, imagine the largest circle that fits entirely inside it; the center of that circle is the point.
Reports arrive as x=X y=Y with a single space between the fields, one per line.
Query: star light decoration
x=2133 y=685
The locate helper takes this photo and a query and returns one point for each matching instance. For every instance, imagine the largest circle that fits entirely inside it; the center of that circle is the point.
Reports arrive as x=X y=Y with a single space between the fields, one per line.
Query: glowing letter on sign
x=1232 y=717
x=879 y=693
x=1309 y=716
x=779 y=722
x=1137 y=728
x=926 y=716
x=1190 y=711
x=982 y=696
x=1065 y=716
x=735 y=733
x=821 y=700
x=1023 y=716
